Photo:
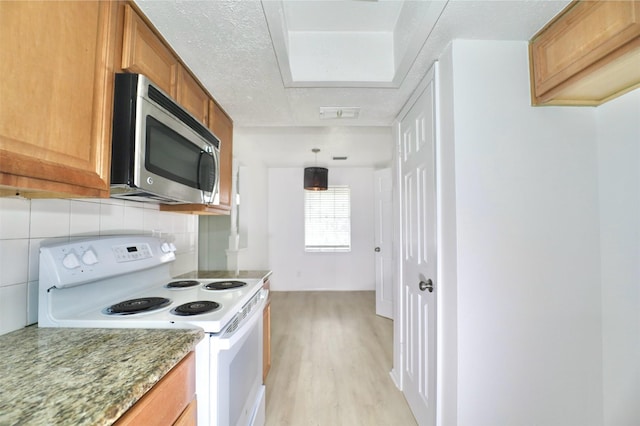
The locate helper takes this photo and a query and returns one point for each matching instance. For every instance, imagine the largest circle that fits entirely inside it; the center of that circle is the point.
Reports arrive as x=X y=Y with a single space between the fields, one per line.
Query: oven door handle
x=226 y=341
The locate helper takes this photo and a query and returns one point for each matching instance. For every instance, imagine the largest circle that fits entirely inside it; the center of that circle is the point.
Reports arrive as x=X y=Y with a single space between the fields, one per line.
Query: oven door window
x=174 y=157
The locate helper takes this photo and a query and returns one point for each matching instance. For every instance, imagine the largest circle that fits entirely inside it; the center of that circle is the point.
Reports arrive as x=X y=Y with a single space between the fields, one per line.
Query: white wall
x=619 y=189
x=297 y=270
x=526 y=244
x=258 y=150
x=24 y=224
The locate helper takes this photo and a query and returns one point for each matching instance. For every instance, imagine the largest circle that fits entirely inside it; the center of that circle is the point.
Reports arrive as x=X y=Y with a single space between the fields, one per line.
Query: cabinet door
x=57 y=65
x=222 y=126
x=143 y=52
x=192 y=97
x=167 y=400
x=266 y=335
x=589 y=53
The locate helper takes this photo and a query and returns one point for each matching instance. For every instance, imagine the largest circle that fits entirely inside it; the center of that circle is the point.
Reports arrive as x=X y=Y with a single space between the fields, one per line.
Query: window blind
x=327 y=219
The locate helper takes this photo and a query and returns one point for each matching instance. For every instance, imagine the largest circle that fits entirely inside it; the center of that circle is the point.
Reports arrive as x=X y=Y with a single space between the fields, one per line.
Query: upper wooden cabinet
x=144 y=53
x=588 y=54
x=192 y=97
x=56 y=89
x=222 y=126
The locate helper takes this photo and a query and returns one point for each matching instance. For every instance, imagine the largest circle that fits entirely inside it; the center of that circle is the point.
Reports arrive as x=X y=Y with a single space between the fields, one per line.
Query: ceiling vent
x=337 y=113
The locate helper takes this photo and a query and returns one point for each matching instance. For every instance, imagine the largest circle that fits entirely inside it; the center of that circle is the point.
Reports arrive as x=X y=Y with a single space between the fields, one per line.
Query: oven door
x=235 y=393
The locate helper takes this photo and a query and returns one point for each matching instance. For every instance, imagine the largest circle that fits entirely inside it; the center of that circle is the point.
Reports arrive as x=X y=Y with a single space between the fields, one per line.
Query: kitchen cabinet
x=266 y=336
x=588 y=54
x=222 y=126
x=144 y=53
x=171 y=401
x=192 y=97
x=57 y=69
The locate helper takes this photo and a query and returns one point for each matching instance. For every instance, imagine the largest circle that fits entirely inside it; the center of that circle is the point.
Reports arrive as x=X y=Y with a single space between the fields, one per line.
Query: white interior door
x=383 y=242
x=418 y=218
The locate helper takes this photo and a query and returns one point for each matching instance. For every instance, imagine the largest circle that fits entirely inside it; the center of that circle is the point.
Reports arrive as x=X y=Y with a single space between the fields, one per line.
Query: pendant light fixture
x=316 y=178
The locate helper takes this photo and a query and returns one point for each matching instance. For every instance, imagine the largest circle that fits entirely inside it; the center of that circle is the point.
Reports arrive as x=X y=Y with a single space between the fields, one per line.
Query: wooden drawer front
x=167 y=400
x=189 y=416
x=586 y=33
x=144 y=53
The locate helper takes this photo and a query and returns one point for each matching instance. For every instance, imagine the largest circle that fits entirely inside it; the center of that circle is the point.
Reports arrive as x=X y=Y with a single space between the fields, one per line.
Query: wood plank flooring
x=331 y=357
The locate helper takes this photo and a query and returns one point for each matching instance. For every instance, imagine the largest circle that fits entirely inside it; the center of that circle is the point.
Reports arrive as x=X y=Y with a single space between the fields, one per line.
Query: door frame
x=442 y=390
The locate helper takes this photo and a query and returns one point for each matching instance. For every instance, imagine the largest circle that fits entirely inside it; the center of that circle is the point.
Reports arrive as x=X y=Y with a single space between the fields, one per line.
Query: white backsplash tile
x=25 y=224
x=34 y=254
x=14 y=218
x=49 y=218
x=14 y=261
x=85 y=217
x=111 y=218
x=134 y=219
x=151 y=220
x=13 y=307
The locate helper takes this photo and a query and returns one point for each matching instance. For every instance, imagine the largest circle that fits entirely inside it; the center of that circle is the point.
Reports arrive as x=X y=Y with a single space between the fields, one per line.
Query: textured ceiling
x=227 y=44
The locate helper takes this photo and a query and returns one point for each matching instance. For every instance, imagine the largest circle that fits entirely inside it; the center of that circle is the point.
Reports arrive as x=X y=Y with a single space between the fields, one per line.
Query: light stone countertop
x=81 y=376
x=228 y=274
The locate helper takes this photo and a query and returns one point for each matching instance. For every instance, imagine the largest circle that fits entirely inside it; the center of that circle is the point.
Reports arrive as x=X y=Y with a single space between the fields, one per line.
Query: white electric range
x=125 y=282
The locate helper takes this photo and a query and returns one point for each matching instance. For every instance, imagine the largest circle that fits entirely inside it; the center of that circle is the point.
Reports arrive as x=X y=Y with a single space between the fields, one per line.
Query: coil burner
x=224 y=285
x=136 y=306
x=182 y=284
x=196 y=308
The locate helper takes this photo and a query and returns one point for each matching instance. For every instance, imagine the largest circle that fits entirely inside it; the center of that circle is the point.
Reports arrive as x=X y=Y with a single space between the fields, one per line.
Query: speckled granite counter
x=227 y=274
x=67 y=376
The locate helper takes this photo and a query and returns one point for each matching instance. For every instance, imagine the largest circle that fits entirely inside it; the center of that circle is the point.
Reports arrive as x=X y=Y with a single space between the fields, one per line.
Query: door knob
x=428 y=285
x=377 y=249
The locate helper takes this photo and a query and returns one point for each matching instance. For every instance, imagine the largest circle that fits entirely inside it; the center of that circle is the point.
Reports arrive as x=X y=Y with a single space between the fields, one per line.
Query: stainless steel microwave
x=160 y=153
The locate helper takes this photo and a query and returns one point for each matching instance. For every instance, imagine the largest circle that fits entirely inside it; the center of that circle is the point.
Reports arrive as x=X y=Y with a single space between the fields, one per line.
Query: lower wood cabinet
x=266 y=336
x=189 y=416
x=172 y=401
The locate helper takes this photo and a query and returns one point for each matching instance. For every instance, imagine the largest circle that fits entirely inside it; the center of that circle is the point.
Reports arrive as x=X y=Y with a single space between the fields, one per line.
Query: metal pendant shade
x=316 y=178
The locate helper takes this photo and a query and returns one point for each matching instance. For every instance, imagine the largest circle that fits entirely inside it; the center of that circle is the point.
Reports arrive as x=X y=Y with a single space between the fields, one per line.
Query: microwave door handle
x=203 y=177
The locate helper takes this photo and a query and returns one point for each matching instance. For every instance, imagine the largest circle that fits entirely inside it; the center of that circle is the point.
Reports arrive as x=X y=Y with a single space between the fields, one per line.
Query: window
x=327 y=219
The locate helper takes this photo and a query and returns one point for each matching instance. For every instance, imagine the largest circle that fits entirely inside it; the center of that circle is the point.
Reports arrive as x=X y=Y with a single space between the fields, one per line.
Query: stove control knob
x=71 y=261
x=172 y=247
x=165 y=248
x=89 y=257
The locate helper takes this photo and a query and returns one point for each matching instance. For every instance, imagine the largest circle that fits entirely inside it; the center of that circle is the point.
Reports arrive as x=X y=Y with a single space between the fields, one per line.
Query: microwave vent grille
x=158 y=97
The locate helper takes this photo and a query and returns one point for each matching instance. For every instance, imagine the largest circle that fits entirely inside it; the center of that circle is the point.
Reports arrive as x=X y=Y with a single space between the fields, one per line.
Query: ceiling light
x=332 y=113
x=339 y=158
x=316 y=178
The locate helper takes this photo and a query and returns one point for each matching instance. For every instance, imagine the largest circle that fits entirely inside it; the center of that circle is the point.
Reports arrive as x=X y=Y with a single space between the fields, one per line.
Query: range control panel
x=88 y=260
x=132 y=252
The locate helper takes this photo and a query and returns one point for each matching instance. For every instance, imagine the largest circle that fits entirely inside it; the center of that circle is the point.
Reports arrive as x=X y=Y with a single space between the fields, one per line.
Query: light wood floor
x=331 y=357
